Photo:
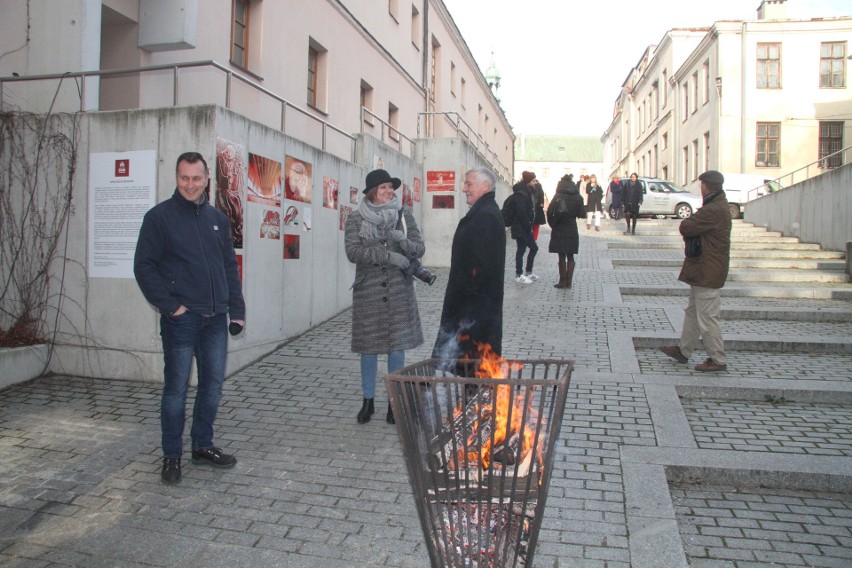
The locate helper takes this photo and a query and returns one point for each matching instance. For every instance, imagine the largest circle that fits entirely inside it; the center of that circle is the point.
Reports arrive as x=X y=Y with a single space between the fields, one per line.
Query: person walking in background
x=632 y=195
x=562 y=214
x=186 y=267
x=385 y=317
x=539 y=218
x=614 y=190
x=582 y=182
x=473 y=302
x=707 y=234
x=519 y=215
x=594 y=203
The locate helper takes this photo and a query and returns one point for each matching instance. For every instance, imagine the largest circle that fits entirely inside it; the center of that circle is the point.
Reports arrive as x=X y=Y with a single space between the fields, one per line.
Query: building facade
x=551 y=157
x=291 y=103
x=764 y=97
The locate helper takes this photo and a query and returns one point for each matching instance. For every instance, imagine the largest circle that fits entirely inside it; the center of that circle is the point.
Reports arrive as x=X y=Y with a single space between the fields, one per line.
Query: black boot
x=389 y=417
x=367 y=410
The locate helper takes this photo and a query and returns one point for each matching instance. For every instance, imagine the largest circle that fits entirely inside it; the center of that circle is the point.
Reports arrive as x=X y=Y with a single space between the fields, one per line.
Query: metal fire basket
x=480 y=453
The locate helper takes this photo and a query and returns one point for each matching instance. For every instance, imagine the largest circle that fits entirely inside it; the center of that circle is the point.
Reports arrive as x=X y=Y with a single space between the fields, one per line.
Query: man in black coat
x=473 y=303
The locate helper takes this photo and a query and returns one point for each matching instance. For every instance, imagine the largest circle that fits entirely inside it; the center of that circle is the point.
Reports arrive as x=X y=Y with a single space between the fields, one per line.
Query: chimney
x=772 y=10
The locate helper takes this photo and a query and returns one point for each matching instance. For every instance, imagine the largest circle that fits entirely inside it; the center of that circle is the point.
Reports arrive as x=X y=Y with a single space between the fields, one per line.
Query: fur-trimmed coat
x=385 y=317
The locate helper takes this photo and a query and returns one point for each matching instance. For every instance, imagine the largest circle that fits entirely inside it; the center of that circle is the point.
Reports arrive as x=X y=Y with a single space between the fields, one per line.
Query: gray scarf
x=384 y=216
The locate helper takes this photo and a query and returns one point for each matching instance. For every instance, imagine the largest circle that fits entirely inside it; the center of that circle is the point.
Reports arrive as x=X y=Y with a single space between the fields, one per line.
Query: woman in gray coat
x=381 y=239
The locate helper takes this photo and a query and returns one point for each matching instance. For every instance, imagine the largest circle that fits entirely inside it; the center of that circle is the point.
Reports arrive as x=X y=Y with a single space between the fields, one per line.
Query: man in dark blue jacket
x=186 y=267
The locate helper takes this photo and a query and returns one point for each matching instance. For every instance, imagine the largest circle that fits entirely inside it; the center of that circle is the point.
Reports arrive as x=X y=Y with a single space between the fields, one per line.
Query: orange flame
x=494 y=366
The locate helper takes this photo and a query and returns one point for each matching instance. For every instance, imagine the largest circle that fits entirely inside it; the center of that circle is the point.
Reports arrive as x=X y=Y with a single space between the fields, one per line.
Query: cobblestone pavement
x=657 y=464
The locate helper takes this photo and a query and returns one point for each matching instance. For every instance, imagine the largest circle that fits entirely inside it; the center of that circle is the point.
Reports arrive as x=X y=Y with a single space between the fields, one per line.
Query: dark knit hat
x=712 y=176
x=527 y=177
x=377 y=178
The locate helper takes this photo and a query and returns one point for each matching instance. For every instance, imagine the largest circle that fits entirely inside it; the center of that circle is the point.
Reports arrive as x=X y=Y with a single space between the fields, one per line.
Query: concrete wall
x=817 y=210
x=107 y=329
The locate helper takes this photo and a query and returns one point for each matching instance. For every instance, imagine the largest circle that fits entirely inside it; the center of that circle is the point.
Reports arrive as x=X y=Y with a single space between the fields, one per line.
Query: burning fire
x=493 y=366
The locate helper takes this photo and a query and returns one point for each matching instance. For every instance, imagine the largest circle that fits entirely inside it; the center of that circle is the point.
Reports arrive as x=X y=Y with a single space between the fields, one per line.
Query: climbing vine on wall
x=37 y=159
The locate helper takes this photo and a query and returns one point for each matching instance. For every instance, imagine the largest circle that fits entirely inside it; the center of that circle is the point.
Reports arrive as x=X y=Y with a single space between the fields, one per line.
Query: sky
x=562 y=62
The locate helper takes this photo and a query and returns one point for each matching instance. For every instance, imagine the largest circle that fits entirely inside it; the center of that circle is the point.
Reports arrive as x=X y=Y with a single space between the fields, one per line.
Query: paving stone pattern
x=80 y=458
x=727 y=527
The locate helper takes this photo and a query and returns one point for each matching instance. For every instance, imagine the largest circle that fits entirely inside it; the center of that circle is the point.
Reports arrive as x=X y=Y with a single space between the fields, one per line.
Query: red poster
x=440 y=181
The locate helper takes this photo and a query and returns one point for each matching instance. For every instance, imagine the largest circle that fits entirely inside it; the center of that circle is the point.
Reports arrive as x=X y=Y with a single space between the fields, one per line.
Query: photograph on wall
x=291 y=247
x=264 y=180
x=291 y=218
x=407 y=198
x=330 y=191
x=440 y=181
x=298 y=182
x=443 y=201
x=345 y=211
x=231 y=185
x=270 y=224
x=307 y=221
x=417 y=190
x=353 y=194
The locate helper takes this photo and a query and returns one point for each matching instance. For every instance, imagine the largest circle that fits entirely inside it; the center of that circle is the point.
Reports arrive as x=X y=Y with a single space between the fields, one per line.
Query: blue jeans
x=370 y=368
x=205 y=338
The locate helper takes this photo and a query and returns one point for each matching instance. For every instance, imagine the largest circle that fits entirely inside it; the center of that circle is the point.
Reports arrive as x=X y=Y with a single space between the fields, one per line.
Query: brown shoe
x=674 y=352
x=710 y=366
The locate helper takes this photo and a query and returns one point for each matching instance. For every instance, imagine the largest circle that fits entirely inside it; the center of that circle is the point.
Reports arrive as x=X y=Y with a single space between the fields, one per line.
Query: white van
x=742 y=188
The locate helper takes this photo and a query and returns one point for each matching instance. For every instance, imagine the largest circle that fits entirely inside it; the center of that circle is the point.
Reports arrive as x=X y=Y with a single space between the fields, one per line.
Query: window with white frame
x=416 y=27
x=393 y=121
x=705 y=72
x=769 y=66
x=367 y=101
x=768 y=142
x=832 y=64
x=317 y=75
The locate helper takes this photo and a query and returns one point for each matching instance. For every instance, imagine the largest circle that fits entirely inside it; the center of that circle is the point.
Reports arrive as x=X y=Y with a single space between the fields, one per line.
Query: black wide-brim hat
x=378 y=177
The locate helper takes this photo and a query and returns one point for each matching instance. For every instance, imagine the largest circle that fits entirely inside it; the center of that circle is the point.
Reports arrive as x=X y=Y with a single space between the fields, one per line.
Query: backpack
x=508 y=211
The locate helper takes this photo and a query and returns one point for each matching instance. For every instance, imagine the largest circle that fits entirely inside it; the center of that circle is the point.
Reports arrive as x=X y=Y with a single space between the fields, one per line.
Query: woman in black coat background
x=562 y=214
x=632 y=195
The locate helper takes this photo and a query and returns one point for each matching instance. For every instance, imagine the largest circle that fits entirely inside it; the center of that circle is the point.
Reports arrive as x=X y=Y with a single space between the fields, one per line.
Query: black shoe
x=214 y=457
x=389 y=418
x=171 y=470
x=367 y=410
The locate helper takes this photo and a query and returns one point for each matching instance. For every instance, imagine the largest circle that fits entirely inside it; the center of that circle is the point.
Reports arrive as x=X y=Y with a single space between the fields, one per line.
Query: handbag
x=692 y=247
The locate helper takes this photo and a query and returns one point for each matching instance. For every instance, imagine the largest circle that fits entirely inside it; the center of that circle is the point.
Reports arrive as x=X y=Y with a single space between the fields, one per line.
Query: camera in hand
x=416 y=269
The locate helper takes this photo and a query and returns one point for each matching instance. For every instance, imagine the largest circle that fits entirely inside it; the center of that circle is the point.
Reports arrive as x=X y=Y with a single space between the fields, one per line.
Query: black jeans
x=524 y=243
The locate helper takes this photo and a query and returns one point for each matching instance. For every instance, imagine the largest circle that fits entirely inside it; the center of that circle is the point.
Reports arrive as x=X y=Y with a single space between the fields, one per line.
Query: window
x=832 y=64
x=706 y=150
x=317 y=56
x=240 y=33
x=664 y=172
x=452 y=78
x=393 y=120
x=768 y=142
x=393 y=9
x=436 y=56
x=695 y=159
x=655 y=164
x=463 y=88
x=706 y=78
x=367 y=101
x=655 y=100
x=665 y=140
x=685 y=165
x=416 y=28
x=685 y=93
x=830 y=141
x=769 y=66
x=664 y=84
x=695 y=92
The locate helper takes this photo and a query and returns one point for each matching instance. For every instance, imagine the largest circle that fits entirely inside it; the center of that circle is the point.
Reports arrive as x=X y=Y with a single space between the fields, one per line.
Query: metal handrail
x=391 y=129
x=472 y=136
x=754 y=193
x=176 y=67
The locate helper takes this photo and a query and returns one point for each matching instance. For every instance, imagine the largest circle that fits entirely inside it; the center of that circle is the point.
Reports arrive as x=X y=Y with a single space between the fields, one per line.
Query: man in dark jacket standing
x=523 y=215
x=705 y=274
x=473 y=303
x=186 y=267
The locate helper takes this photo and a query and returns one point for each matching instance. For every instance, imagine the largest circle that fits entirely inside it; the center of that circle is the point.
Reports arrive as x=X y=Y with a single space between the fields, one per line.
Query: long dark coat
x=713 y=224
x=632 y=195
x=473 y=302
x=595 y=201
x=385 y=317
x=562 y=214
x=522 y=202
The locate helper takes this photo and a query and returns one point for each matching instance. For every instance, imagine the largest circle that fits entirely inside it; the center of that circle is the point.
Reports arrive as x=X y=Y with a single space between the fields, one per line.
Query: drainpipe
x=743 y=98
x=425 y=42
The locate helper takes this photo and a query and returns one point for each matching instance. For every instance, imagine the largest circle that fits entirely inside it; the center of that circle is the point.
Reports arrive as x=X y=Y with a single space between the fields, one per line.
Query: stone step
x=770 y=264
x=825 y=276
x=814 y=292
x=678 y=244
x=792 y=255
